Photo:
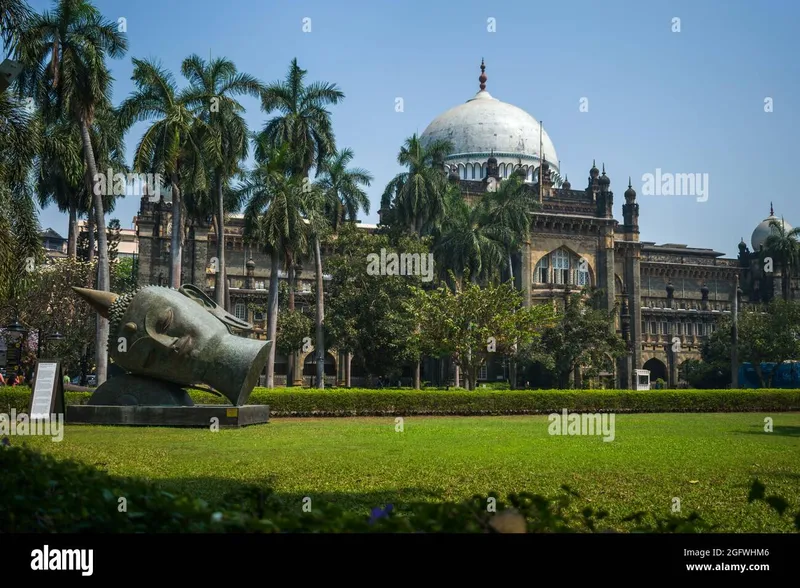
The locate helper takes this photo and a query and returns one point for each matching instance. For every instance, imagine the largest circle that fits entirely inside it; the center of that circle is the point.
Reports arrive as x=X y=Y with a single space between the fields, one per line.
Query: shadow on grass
x=780 y=430
x=213 y=489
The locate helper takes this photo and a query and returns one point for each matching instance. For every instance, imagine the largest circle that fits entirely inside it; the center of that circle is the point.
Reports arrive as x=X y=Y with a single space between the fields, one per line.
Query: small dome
x=763 y=230
x=594 y=172
x=251 y=264
x=630 y=193
x=604 y=180
x=566 y=185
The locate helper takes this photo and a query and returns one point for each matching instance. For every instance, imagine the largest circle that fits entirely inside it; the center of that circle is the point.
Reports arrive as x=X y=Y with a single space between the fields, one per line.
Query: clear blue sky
x=685 y=102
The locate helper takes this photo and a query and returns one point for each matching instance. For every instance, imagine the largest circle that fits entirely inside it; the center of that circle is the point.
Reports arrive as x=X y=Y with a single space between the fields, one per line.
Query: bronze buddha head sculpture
x=181 y=337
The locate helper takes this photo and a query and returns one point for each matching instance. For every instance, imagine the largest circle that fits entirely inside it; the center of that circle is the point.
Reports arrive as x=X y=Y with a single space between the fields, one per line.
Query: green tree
x=415 y=199
x=273 y=219
x=581 y=338
x=174 y=145
x=369 y=316
x=211 y=94
x=472 y=322
x=64 y=55
x=784 y=249
x=304 y=124
x=768 y=336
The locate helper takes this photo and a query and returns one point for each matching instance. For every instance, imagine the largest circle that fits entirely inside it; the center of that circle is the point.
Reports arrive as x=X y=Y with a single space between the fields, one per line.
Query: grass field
x=707 y=461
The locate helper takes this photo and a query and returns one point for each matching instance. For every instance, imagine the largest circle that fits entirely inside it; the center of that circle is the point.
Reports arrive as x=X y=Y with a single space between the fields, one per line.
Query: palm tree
x=20 y=140
x=60 y=175
x=175 y=144
x=305 y=125
x=213 y=86
x=784 y=248
x=416 y=198
x=273 y=219
x=64 y=53
x=341 y=187
x=467 y=243
x=14 y=14
x=508 y=209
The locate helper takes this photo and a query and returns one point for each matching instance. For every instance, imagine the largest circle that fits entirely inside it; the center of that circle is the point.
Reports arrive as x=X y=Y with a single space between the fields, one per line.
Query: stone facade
x=667 y=298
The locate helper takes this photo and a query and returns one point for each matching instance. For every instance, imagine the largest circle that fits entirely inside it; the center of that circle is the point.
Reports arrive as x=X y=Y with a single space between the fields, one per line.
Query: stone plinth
x=199 y=416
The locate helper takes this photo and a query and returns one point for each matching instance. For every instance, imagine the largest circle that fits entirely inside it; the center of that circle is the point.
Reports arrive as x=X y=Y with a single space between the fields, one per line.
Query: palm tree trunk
x=176 y=245
x=272 y=315
x=72 y=236
x=90 y=233
x=103 y=277
x=320 y=318
x=292 y=355
x=219 y=286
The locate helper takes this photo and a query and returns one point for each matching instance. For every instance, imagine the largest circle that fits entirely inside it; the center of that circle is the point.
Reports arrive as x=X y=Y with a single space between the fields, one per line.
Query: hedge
x=306 y=402
x=41 y=494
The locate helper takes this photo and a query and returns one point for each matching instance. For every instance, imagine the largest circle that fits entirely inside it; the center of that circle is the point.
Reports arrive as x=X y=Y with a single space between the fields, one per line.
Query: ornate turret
x=453 y=174
x=604 y=197
x=250 y=282
x=566 y=185
x=630 y=214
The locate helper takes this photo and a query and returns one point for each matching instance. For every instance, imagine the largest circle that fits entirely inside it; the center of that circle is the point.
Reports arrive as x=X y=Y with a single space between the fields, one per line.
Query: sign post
x=48 y=390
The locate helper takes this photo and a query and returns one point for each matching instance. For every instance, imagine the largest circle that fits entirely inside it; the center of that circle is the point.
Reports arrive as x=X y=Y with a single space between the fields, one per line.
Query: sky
x=622 y=82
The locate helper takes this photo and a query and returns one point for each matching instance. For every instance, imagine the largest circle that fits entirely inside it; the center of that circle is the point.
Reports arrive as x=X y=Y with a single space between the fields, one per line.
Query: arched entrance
x=657 y=369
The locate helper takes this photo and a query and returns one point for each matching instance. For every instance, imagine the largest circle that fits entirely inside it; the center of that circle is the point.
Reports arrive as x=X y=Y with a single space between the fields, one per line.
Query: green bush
x=305 y=402
x=41 y=494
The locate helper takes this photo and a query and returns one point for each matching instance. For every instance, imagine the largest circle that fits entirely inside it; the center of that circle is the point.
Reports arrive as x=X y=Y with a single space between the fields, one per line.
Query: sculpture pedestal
x=206 y=416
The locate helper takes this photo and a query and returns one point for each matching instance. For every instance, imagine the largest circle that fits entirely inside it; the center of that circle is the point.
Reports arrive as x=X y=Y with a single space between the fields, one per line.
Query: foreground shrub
x=41 y=494
x=306 y=402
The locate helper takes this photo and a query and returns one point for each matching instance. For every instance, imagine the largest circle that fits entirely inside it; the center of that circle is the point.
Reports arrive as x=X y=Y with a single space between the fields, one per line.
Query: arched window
x=462 y=171
x=560 y=259
x=583 y=273
x=475 y=167
x=502 y=170
x=541 y=275
x=484 y=170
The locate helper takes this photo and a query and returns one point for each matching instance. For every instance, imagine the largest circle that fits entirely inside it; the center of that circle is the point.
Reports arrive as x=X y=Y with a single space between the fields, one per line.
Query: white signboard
x=45 y=387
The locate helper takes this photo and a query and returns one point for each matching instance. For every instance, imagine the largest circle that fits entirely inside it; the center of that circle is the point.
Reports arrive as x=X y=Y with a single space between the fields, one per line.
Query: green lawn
x=705 y=460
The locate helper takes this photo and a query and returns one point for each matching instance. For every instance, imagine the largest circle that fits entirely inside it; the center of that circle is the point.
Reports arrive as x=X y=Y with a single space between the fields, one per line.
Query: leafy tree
x=582 y=337
x=471 y=321
x=368 y=313
x=64 y=53
x=771 y=336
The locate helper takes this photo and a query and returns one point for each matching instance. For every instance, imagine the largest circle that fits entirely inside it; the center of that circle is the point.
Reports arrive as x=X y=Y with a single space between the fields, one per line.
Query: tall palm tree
x=416 y=198
x=20 y=140
x=305 y=125
x=175 y=144
x=784 y=248
x=64 y=56
x=213 y=86
x=341 y=187
x=273 y=219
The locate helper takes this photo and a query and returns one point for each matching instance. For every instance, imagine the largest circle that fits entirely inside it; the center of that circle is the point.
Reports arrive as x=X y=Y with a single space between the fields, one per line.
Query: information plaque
x=48 y=391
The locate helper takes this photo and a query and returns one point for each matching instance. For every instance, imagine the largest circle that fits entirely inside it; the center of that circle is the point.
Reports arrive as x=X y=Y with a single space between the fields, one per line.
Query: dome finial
x=629 y=182
x=483 y=77
x=771 y=212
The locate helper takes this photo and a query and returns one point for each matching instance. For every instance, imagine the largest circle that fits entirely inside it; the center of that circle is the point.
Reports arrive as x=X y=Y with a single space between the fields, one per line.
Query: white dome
x=485 y=125
x=763 y=230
